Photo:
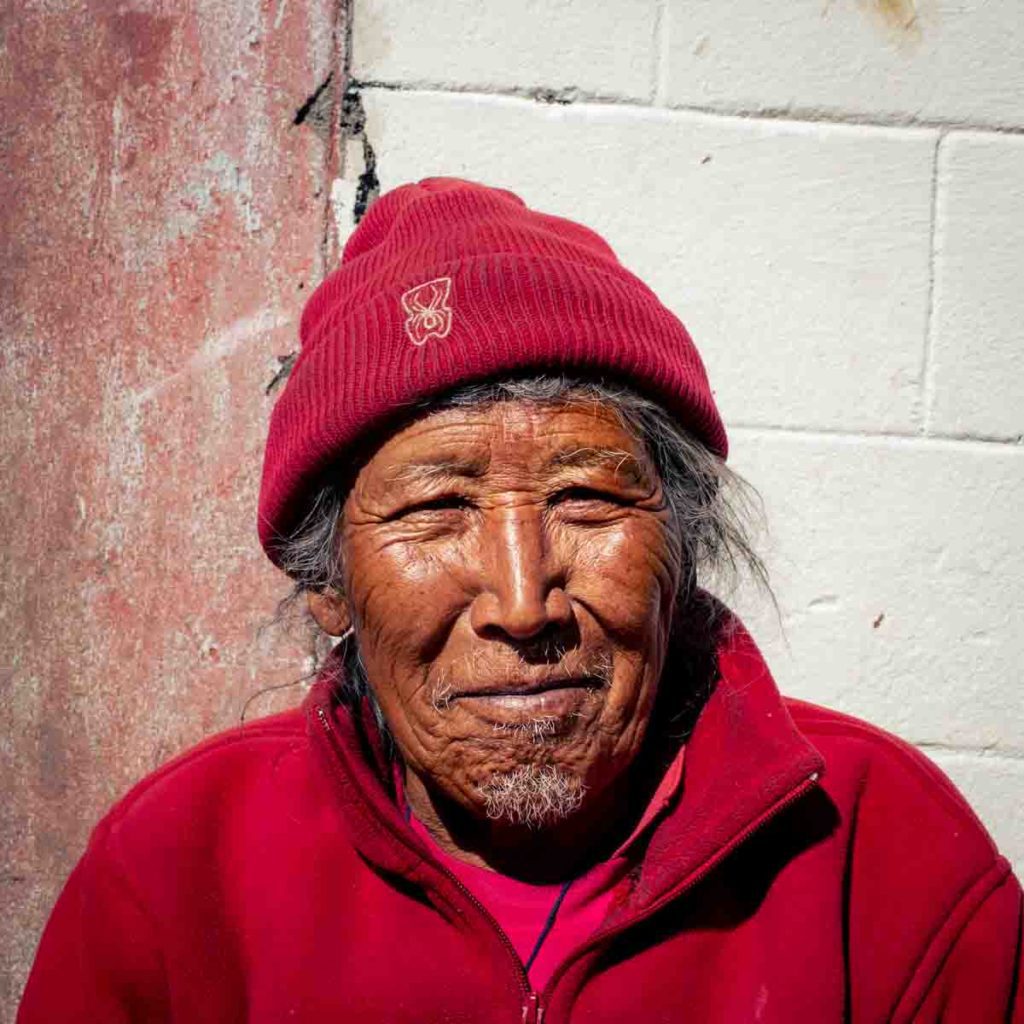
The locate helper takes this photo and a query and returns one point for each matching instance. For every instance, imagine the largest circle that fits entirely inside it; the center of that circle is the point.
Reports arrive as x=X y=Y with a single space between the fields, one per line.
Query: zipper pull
x=322 y=715
x=533 y=1012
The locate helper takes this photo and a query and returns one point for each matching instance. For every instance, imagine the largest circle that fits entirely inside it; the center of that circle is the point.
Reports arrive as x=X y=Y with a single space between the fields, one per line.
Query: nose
x=521 y=594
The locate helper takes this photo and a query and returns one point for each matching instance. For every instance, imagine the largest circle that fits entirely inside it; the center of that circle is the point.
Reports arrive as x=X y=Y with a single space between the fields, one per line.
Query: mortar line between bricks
x=798 y=115
x=659 y=57
x=812 y=115
x=912 y=440
x=927 y=391
x=1013 y=754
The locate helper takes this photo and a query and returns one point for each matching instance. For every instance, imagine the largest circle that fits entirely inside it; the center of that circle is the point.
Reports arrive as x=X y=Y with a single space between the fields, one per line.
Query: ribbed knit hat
x=446 y=282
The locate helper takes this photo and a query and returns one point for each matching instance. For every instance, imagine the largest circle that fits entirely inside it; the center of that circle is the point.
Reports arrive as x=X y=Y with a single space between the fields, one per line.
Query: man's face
x=510 y=580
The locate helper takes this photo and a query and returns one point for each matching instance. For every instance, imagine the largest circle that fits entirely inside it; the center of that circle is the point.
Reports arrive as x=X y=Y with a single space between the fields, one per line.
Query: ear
x=330 y=610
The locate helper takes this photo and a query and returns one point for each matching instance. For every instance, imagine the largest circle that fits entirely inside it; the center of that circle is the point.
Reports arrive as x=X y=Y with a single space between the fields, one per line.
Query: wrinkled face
x=510 y=580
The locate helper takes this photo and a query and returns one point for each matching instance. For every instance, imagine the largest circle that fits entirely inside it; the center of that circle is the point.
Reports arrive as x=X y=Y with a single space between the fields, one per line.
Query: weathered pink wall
x=162 y=220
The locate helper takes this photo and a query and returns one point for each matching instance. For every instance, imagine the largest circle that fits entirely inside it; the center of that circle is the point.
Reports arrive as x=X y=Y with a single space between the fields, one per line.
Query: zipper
x=688 y=883
x=533 y=1010
x=533 y=1002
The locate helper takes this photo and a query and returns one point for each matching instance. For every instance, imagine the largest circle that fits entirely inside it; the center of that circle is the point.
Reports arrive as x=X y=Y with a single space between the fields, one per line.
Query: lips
x=551 y=701
x=529 y=688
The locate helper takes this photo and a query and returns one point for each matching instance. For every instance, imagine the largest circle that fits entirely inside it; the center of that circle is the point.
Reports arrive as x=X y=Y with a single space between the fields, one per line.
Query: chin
x=533 y=795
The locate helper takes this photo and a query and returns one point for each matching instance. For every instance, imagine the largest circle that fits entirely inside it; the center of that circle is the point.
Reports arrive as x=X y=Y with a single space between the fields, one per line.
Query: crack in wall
x=563 y=95
x=285 y=363
x=353 y=127
x=323 y=110
x=317 y=109
x=334 y=110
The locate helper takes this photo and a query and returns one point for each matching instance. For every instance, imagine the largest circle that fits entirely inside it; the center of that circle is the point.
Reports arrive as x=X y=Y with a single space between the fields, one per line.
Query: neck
x=550 y=853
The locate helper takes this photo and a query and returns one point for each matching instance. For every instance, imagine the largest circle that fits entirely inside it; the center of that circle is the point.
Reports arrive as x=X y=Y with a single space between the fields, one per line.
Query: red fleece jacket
x=814 y=869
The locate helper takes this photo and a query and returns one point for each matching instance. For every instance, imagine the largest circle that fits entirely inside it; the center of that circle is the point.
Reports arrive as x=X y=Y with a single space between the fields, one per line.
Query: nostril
x=547 y=647
x=550 y=646
x=511 y=617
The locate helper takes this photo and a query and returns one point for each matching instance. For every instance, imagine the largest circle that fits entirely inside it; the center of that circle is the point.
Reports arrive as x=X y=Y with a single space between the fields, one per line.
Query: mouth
x=530 y=688
x=517 y=703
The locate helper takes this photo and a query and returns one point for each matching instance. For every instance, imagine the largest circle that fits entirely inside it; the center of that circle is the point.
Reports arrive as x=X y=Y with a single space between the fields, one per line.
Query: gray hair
x=711 y=508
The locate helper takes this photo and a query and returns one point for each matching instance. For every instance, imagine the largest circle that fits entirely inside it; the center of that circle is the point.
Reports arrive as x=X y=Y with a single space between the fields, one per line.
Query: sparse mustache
x=479 y=664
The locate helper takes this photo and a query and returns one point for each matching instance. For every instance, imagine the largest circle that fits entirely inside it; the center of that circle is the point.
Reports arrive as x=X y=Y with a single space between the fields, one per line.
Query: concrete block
x=993 y=787
x=798 y=255
x=977 y=333
x=604 y=47
x=900 y=577
x=933 y=60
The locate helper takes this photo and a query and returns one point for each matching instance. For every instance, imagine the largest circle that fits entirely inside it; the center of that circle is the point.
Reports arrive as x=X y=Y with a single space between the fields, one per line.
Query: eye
x=582 y=493
x=587 y=502
x=439 y=505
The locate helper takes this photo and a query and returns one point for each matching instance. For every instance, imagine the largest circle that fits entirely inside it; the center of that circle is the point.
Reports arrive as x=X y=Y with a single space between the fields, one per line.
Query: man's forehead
x=475 y=465
x=545 y=441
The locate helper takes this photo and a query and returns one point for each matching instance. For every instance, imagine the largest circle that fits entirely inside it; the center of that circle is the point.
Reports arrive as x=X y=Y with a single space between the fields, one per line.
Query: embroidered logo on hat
x=428 y=313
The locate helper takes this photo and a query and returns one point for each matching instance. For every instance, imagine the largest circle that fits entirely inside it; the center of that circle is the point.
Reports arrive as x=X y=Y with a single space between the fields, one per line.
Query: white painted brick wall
x=605 y=47
x=798 y=257
x=853 y=273
x=979 y=287
x=937 y=60
x=891 y=607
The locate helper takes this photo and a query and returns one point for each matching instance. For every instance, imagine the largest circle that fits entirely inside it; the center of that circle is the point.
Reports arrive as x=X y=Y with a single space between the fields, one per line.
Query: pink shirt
x=545 y=922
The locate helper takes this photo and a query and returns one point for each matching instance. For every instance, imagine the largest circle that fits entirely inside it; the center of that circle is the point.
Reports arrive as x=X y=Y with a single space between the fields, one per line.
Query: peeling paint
x=279 y=14
x=220 y=175
x=160 y=223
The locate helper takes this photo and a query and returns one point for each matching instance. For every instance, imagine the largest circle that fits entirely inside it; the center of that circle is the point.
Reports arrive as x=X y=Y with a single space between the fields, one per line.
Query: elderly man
x=543 y=776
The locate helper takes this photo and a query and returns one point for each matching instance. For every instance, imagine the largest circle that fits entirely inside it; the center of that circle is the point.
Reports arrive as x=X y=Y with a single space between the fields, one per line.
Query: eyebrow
x=616 y=459
x=471 y=467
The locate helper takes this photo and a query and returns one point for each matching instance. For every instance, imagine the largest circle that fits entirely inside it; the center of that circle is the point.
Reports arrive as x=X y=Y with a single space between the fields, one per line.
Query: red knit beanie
x=446 y=282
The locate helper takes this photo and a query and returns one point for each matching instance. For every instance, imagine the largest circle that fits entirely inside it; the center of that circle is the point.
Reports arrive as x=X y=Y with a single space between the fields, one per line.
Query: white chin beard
x=532 y=795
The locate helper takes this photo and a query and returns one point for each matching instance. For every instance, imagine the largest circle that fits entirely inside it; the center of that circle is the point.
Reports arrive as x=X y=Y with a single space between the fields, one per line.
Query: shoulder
x=883 y=775
x=206 y=790
x=917 y=862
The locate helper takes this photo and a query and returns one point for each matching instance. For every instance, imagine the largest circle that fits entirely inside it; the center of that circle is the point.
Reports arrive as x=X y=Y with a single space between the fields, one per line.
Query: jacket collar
x=744 y=761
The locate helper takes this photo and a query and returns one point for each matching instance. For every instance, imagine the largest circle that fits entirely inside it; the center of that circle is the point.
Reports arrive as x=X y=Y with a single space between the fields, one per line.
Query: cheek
x=625 y=577
x=404 y=599
x=401 y=594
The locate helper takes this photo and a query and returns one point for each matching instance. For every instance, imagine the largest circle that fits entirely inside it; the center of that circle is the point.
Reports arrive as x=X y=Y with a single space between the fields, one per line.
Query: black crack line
x=284 y=368
x=353 y=126
x=312 y=110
